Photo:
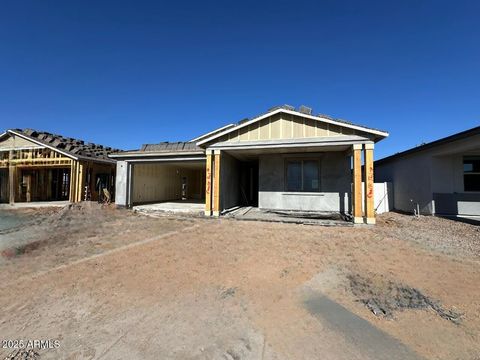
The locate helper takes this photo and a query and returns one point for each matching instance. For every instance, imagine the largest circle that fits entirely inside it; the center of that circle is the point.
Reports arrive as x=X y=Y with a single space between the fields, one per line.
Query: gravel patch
x=439 y=234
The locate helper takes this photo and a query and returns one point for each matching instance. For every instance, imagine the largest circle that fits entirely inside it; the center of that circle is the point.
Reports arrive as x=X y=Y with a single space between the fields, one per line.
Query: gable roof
x=70 y=147
x=171 y=147
x=455 y=137
x=286 y=109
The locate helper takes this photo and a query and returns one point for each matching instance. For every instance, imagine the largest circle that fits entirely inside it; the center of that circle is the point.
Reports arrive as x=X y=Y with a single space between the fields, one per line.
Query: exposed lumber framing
x=34 y=157
x=12 y=181
x=216 y=183
x=369 y=185
x=208 y=184
x=357 y=184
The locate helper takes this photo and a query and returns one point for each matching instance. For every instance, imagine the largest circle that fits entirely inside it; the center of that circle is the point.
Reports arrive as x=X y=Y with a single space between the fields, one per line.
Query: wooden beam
x=216 y=183
x=12 y=178
x=357 y=184
x=369 y=185
x=12 y=183
x=208 y=184
x=73 y=181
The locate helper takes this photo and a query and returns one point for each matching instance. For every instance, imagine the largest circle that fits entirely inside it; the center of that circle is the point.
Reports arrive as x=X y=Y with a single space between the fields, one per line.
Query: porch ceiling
x=245 y=150
x=248 y=154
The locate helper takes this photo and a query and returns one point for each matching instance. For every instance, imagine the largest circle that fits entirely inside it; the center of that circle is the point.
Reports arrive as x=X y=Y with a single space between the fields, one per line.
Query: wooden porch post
x=73 y=180
x=208 y=183
x=82 y=174
x=12 y=182
x=12 y=178
x=369 y=185
x=357 y=184
x=216 y=183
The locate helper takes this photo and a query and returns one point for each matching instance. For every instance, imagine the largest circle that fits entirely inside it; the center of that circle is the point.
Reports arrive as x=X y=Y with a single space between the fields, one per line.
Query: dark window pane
x=310 y=175
x=294 y=176
x=471 y=164
x=471 y=182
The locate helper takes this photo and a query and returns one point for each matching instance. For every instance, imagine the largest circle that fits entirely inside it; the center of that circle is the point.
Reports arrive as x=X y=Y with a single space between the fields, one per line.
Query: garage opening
x=169 y=184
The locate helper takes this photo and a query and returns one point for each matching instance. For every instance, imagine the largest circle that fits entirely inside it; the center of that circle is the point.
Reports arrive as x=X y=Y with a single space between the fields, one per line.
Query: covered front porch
x=315 y=176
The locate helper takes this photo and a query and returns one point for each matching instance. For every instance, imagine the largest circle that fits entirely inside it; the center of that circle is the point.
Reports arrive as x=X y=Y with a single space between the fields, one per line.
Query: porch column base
x=208 y=213
x=370 y=221
x=358 y=220
x=216 y=213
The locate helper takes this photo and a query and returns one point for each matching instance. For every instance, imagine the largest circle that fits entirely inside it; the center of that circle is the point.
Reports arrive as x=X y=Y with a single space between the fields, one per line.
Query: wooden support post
x=73 y=180
x=357 y=184
x=29 y=186
x=208 y=183
x=369 y=185
x=12 y=182
x=216 y=183
x=81 y=181
x=12 y=178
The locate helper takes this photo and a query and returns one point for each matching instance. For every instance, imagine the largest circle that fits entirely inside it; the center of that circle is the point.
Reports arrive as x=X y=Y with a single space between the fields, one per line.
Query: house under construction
x=39 y=166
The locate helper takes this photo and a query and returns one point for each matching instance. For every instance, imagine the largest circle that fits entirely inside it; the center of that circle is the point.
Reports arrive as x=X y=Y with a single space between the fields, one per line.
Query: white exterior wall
x=433 y=178
x=121 y=184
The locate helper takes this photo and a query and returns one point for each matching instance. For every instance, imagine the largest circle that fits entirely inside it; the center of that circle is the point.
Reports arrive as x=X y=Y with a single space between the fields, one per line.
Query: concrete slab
x=371 y=342
x=35 y=204
x=286 y=216
x=175 y=207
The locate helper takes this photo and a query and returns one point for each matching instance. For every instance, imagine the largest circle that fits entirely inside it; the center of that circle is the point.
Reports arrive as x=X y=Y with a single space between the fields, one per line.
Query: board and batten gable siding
x=287 y=126
x=16 y=142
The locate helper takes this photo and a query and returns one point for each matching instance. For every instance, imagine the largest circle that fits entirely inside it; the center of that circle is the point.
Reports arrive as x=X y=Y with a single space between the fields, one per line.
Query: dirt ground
x=112 y=284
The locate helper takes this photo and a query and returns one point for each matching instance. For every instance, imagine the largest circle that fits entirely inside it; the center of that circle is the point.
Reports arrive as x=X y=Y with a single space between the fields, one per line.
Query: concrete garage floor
x=191 y=207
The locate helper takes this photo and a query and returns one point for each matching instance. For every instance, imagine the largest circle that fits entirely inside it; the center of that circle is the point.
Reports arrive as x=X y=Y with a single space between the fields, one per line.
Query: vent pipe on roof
x=305 y=110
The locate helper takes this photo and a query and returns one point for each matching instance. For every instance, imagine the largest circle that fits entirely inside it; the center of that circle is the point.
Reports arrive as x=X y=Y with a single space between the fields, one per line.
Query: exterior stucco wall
x=335 y=184
x=411 y=183
x=433 y=178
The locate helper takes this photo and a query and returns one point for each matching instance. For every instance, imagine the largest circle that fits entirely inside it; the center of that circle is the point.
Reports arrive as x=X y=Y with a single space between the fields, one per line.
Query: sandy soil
x=110 y=284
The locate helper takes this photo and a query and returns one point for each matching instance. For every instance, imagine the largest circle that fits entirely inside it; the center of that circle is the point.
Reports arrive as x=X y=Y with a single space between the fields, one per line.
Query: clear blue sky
x=123 y=73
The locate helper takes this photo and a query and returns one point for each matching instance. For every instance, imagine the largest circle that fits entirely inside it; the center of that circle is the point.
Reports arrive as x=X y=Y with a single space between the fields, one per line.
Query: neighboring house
x=39 y=166
x=442 y=177
x=284 y=159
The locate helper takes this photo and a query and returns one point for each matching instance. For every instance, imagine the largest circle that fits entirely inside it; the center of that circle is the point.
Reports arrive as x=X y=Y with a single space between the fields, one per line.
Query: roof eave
x=154 y=154
x=439 y=142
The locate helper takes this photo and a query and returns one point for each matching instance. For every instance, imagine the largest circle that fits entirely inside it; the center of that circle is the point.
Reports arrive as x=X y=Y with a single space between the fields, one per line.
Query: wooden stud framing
x=12 y=183
x=369 y=185
x=357 y=184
